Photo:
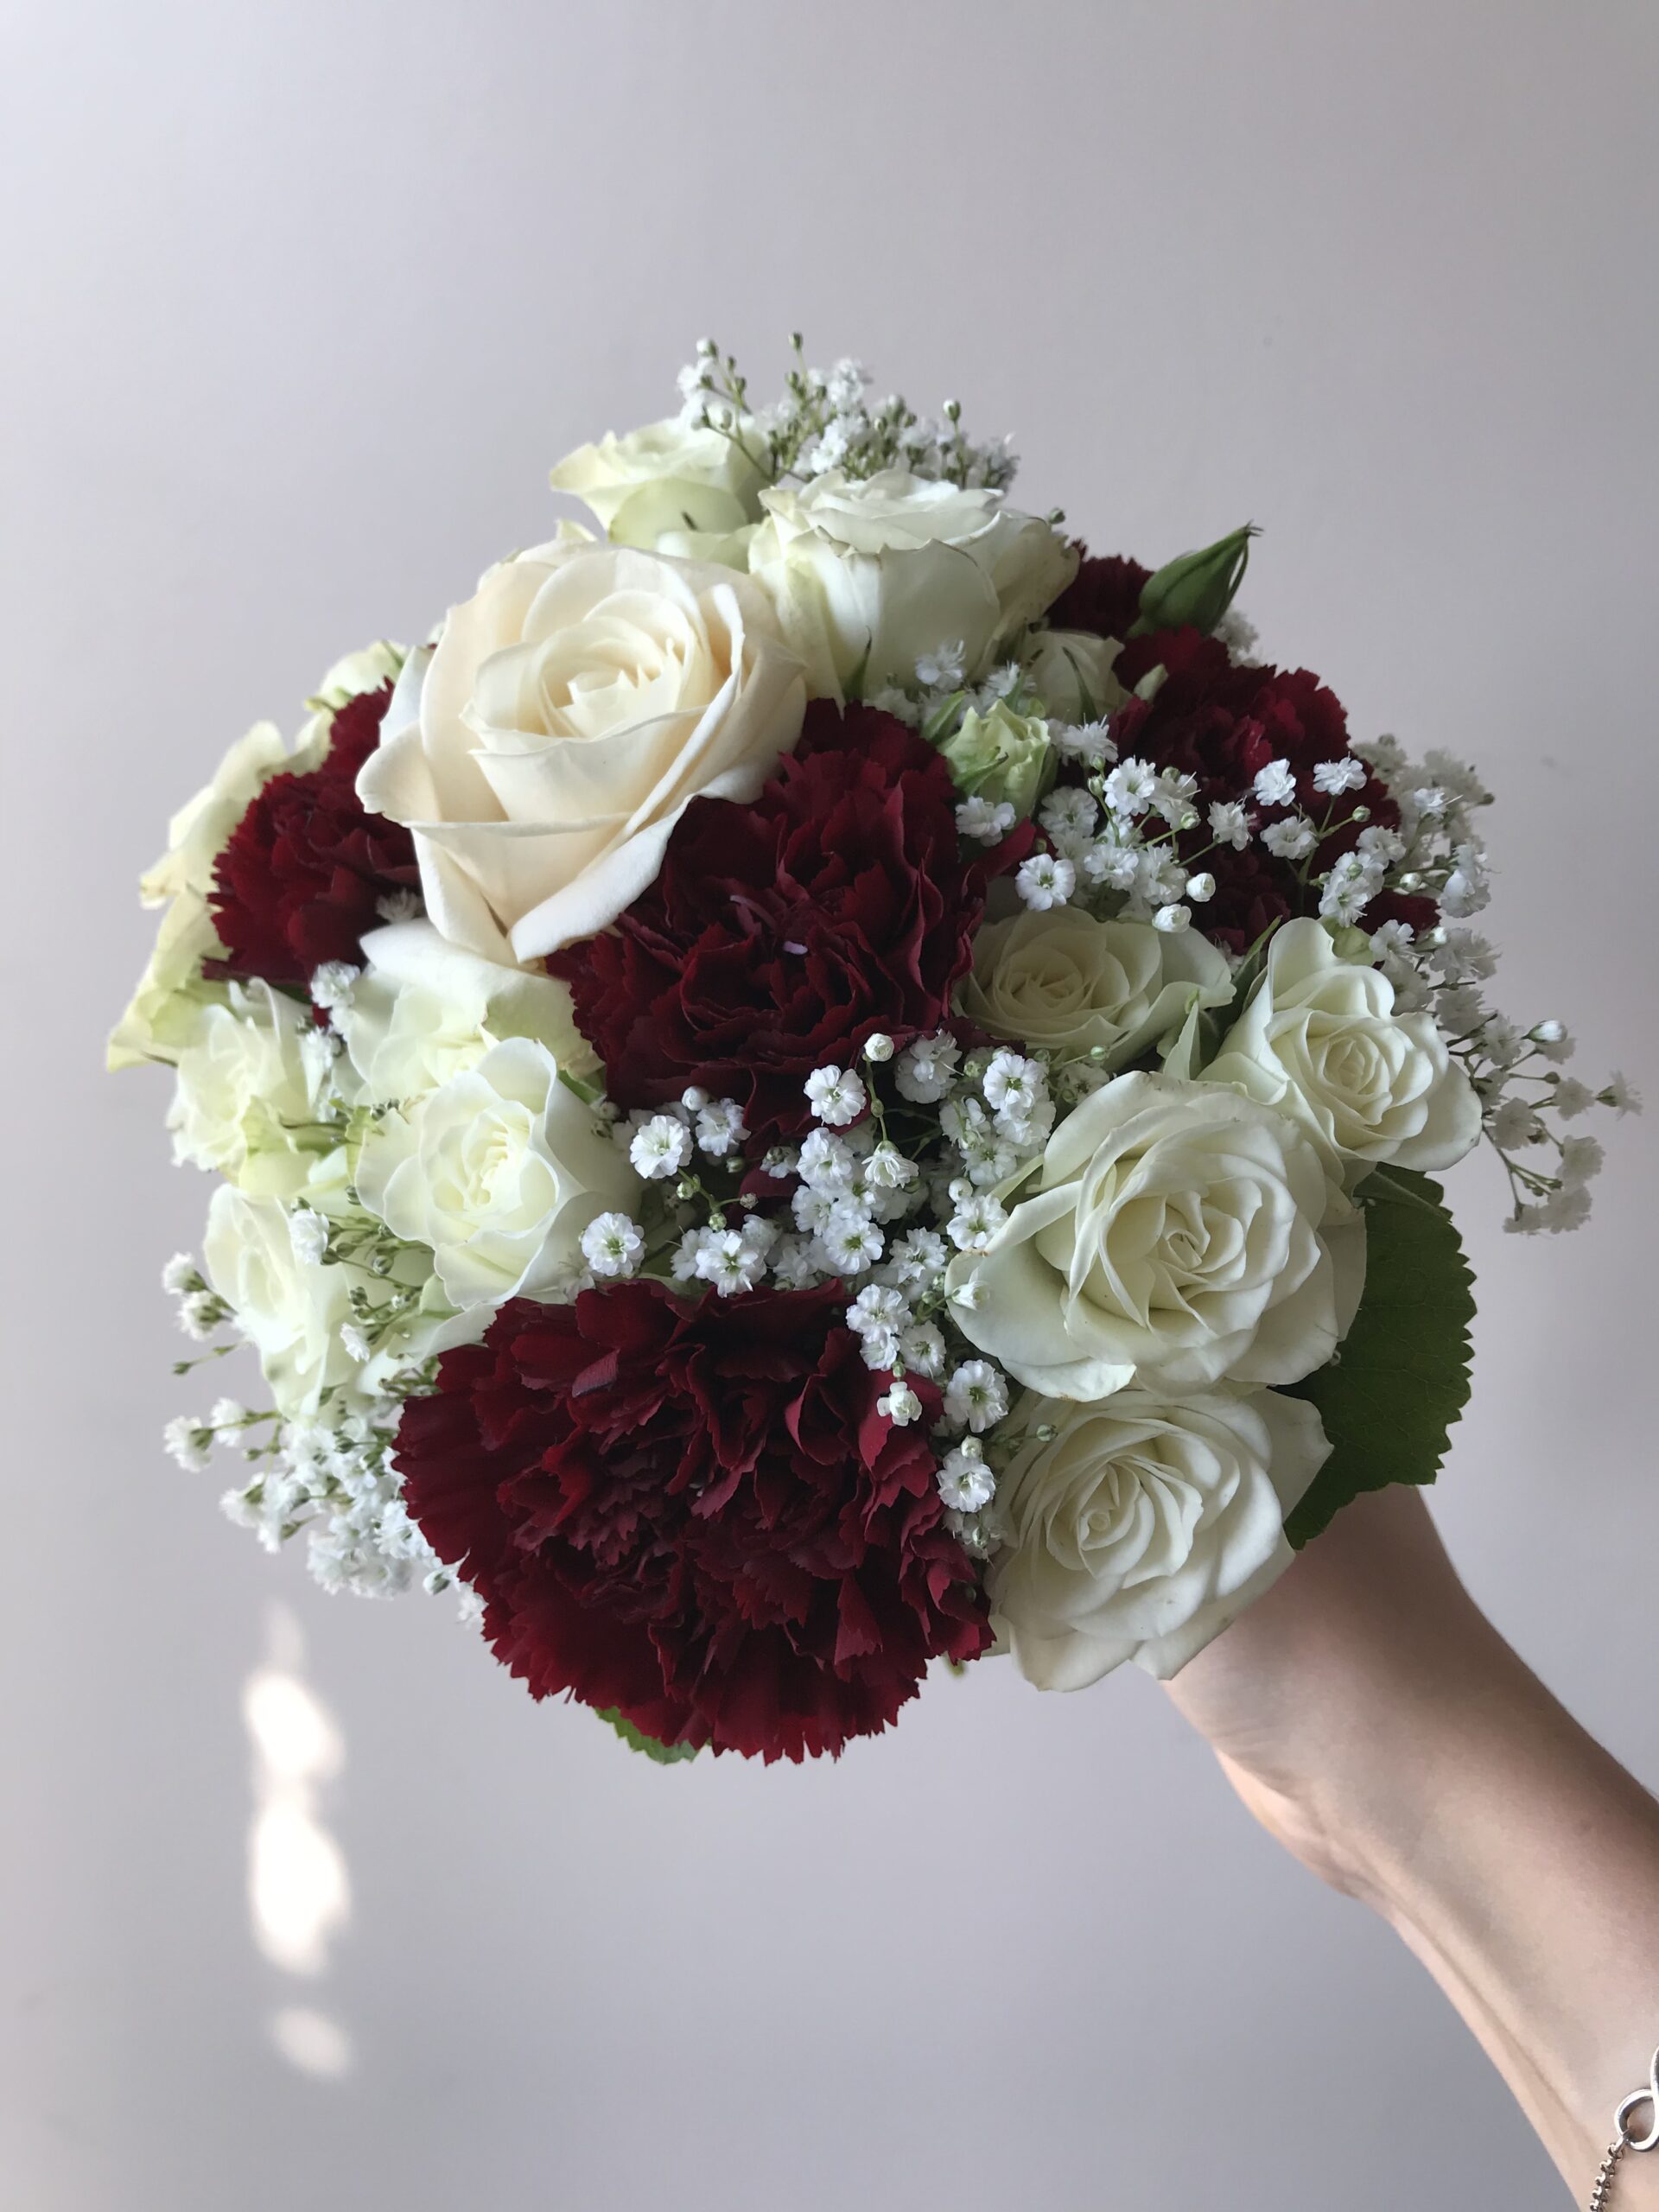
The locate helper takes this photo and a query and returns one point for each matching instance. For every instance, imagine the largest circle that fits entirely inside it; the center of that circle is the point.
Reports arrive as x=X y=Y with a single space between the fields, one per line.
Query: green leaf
x=636 y=1740
x=1403 y=1377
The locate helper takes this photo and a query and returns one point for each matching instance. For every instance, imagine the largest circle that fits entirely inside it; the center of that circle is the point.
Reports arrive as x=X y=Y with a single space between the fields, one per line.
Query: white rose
x=867 y=576
x=498 y=1172
x=1178 y=1235
x=1063 y=980
x=199 y=832
x=290 y=1309
x=251 y=1070
x=545 y=749
x=1071 y=670
x=164 y=1012
x=669 y=480
x=1320 y=1039
x=1144 y=1527
x=424 y=1010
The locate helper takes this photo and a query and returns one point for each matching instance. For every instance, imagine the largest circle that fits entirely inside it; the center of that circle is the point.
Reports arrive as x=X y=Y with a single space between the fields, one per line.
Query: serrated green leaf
x=1389 y=1402
x=636 y=1740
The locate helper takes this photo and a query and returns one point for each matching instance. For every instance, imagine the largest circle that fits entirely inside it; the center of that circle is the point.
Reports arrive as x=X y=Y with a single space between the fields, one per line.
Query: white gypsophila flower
x=813 y=1207
x=1172 y=798
x=1131 y=787
x=228 y=1413
x=1068 y=812
x=965 y=1480
x=189 y=1442
x=780 y=1162
x=976 y=1396
x=1552 y=1042
x=613 y=1244
x=900 y=1405
x=180 y=1274
x=1088 y=742
x=732 y=1259
x=922 y=1347
x=987 y=1154
x=1109 y=861
x=355 y=1344
x=1349 y=889
x=887 y=1169
x=1570 y=1097
x=1582 y=1159
x=1275 y=785
x=661 y=1145
x=1385 y=847
x=1335 y=777
x=684 y=1265
x=1011 y=1080
x=1201 y=886
x=915 y=1260
x=1461 y=1009
x=1514 y=1123
x=1172 y=920
x=836 y=1095
x=1392 y=938
x=1045 y=879
x=399 y=906
x=878 y=1309
x=927 y=1068
x=850 y=1238
x=309 y=1231
x=1292 y=839
x=793 y=1267
x=1621 y=1094
x=720 y=1127
x=826 y=1162
x=1566 y=1209
x=986 y=822
x=944 y=669
x=1429 y=799
x=889 y=700
x=878 y=1047
x=333 y=984
x=200 y=1314
x=1466 y=891
x=1230 y=823
x=976 y=1220
x=1502 y=1042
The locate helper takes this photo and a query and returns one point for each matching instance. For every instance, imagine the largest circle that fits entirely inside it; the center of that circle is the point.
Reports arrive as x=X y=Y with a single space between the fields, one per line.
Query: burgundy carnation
x=1221 y=724
x=1105 y=596
x=303 y=877
x=779 y=935
x=695 y=1515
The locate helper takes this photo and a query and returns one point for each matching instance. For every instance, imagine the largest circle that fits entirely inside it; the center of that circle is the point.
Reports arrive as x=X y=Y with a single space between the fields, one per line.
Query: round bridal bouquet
x=824 y=1080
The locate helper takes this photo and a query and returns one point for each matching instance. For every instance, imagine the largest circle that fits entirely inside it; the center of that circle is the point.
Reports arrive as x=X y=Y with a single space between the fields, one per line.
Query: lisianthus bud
x=1195 y=589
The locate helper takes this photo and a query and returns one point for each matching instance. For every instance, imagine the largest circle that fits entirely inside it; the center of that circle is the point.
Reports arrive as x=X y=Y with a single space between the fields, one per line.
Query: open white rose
x=1177 y=1235
x=671 y=479
x=868 y=576
x=1071 y=672
x=253 y=1065
x=1061 y=980
x=424 y=1010
x=290 y=1308
x=1320 y=1040
x=545 y=749
x=498 y=1172
x=1144 y=1526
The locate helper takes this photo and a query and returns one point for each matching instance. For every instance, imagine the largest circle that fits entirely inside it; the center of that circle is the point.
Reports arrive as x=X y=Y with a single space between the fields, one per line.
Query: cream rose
x=669 y=480
x=290 y=1308
x=1178 y=1235
x=545 y=749
x=424 y=1010
x=498 y=1172
x=867 y=576
x=1320 y=1040
x=253 y=1069
x=1071 y=670
x=1073 y=985
x=1143 y=1526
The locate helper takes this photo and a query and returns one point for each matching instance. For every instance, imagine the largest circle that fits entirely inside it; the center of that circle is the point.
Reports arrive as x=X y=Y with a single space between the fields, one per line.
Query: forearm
x=1375 y=1721
x=1521 y=1864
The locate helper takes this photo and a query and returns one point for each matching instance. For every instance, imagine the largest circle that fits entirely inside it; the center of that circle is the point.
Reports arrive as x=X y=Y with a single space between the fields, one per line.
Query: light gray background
x=300 y=303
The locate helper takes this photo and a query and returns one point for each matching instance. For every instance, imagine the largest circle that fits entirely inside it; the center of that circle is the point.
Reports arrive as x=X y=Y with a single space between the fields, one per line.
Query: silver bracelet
x=1623 y=2140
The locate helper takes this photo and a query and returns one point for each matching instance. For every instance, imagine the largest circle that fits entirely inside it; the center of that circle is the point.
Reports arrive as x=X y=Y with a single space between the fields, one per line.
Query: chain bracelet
x=1623 y=2140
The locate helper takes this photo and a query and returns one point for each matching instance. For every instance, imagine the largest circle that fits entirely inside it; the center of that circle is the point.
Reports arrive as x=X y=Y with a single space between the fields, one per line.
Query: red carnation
x=694 y=1514
x=779 y=935
x=306 y=868
x=1221 y=724
x=1105 y=596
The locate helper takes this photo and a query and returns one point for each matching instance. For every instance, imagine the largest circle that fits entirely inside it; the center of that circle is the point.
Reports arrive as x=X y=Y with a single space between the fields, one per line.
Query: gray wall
x=301 y=303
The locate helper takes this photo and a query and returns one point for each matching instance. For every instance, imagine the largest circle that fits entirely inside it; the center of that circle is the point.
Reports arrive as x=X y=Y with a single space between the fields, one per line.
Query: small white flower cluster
x=825 y=419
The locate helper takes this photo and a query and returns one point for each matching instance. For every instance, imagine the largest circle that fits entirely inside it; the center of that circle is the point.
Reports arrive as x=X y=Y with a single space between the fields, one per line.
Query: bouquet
x=826 y=1080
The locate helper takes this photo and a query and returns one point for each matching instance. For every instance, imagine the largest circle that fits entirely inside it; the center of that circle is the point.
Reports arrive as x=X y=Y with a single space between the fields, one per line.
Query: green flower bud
x=1195 y=589
x=999 y=755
